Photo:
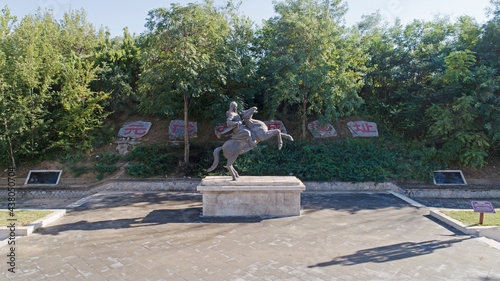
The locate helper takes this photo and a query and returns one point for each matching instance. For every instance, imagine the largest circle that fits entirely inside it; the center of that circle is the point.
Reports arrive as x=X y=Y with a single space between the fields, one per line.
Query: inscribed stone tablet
x=276 y=124
x=134 y=129
x=321 y=131
x=363 y=129
x=43 y=177
x=449 y=177
x=220 y=128
x=176 y=129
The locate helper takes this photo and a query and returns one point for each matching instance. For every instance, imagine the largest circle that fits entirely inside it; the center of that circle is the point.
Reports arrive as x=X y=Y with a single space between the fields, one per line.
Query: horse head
x=247 y=114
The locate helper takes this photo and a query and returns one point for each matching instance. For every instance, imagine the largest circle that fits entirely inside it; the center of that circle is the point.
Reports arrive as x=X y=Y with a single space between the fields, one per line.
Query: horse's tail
x=216 y=159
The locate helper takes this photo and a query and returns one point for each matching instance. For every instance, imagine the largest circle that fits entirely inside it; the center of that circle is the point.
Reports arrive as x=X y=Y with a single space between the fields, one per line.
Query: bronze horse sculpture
x=233 y=148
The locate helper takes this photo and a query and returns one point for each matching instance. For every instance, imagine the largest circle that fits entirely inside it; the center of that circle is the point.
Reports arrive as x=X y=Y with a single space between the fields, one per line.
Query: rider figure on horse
x=245 y=137
x=235 y=124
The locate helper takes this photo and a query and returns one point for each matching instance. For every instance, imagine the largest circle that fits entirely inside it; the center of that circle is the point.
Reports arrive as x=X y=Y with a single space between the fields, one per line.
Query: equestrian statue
x=246 y=134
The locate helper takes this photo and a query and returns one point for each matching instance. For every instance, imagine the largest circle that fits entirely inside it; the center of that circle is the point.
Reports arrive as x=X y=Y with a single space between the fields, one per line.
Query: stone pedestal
x=251 y=196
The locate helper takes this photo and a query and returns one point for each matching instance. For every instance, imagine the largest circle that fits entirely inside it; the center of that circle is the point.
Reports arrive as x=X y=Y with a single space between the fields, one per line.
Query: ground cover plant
x=349 y=160
x=470 y=218
x=72 y=161
x=24 y=217
x=151 y=160
x=106 y=164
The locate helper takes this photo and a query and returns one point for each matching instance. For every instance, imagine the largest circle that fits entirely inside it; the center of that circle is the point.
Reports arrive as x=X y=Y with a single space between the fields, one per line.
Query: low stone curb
x=452 y=193
x=492 y=232
x=139 y=185
x=30 y=228
x=350 y=186
x=156 y=184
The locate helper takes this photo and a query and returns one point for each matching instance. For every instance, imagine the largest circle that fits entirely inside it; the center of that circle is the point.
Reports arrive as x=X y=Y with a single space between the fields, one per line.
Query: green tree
x=32 y=64
x=465 y=119
x=454 y=124
x=403 y=63
x=46 y=103
x=82 y=110
x=12 y=122
x=77 y=34
x=7 y=22
x=309 y=60
x=119 y=68
x=184 y=58
x=436 y=82
x=240 y=65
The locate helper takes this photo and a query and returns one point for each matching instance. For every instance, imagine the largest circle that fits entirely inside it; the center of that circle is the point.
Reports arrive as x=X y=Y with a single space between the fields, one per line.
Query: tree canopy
x=47 y=104
x=434 y=83
x=310 y=61
x=189 y=51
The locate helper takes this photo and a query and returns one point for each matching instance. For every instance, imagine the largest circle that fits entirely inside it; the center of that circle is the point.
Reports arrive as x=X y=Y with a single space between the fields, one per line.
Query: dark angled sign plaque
x=482 y=207
x=450 y=177
x=43 y=177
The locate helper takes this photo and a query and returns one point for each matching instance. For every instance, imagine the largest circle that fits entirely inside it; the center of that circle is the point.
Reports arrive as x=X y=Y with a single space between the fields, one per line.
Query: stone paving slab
x=162 y=236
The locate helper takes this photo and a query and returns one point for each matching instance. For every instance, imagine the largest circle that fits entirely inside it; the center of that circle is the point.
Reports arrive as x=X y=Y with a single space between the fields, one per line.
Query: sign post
x=482 y=207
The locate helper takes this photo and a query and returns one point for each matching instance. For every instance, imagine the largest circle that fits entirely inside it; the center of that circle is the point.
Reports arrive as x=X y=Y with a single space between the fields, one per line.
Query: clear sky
x=117 y=14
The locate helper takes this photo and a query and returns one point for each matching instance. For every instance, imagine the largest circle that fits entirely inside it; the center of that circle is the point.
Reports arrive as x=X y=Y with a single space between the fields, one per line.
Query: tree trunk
x=304 y=121
x=186 y=127
x=10 y=144
x=32 y=122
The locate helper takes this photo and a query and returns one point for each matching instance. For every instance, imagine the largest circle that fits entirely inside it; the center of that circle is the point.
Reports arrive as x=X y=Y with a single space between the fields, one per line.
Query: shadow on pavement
x=391 y=252
x=193 y=215
x=311 y=202
x=155 y=217
x=445 y=225
x=351 y=202
x=123 y=199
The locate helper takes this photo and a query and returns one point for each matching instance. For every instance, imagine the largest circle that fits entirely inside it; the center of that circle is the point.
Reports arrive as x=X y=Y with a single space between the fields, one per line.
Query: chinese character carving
x=321 y=130
x=176 y=129
x=134 y=130
x=363 y=129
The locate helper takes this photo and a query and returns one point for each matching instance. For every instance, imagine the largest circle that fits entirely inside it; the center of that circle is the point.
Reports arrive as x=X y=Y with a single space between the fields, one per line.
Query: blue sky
x=132 y=13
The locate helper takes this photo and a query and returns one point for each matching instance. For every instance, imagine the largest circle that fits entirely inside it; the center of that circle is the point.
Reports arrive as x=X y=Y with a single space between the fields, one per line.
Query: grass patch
x=24 y=217
x=469 y=218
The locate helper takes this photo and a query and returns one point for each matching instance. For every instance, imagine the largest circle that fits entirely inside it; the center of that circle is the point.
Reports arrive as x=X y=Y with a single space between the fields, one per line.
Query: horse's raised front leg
x=287 y=136
x=272 y=133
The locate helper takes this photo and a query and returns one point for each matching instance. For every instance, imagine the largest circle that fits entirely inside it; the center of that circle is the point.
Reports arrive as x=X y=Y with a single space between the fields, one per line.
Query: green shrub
x=102 y=135
x=79 y=170
x=151 y=159
x=108 y=158
x=103 y=169
x=349 y=160
x=70 y=159
x=141 y=170
x=106 y=164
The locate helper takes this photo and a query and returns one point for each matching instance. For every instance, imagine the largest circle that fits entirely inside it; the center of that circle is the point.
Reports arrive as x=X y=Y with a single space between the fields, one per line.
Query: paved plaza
x=162 y=236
